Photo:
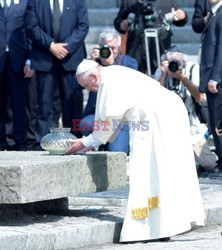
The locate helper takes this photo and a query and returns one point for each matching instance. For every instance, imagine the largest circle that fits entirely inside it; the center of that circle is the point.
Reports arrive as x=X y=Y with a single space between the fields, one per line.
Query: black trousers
x=12 y=85
x=211 y=99
x=47 y=83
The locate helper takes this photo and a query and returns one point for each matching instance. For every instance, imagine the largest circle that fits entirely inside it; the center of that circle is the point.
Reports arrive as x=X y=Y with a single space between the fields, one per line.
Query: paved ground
x=208 y=238
x=94 y=222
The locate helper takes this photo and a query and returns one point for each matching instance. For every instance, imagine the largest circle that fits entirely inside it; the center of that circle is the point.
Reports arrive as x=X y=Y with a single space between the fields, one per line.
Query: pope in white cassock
x=164 y=198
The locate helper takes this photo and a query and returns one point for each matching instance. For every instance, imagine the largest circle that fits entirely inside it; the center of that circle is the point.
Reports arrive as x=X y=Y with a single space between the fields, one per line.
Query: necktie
x=6 y=7
x=56 y=19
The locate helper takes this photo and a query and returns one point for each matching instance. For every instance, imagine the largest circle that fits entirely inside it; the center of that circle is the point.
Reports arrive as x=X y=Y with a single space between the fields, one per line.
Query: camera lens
x=105 y=52
x=174 y=65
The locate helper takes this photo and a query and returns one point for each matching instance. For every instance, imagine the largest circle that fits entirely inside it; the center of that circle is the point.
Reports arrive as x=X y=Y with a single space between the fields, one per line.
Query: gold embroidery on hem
x=154 y=202
x=140 y=213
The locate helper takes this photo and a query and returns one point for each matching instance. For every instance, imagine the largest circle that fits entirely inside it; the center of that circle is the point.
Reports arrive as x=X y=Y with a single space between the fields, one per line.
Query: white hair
x=172 y=55
x=109 y=35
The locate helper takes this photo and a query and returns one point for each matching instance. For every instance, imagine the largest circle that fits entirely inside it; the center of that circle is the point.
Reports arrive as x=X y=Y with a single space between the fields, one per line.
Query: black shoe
x=216 y=172
x=3 y=146
x=202 y=173
x=165 y=239
x=20 y=147
x=37 y=147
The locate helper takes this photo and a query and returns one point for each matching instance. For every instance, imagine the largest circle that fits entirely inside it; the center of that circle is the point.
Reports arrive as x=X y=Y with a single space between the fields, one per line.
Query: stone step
x=102 y=16
x=106 y=16
x=58 y=176
x=185 y=35
x=116 y=3
x=96 y=219
x=103 y=4
x=186 y=3
x=180 y=35
x=188 y=48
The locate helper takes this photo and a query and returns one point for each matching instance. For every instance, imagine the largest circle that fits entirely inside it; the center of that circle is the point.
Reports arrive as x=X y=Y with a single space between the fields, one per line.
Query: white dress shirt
x=60 y=5
x=8 y=2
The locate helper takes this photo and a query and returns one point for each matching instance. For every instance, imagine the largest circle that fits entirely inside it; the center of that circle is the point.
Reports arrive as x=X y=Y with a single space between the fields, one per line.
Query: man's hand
x=206 y=18
x=124 y=26
x=179 y=74
x=179 y=15
x=164 y=68
x=212 y=87
x=95 y=53
x=28 y=72
x=59 y=50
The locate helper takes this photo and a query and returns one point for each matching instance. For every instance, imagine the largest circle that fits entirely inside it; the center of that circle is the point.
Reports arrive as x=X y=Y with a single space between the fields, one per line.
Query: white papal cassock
x=164 y=196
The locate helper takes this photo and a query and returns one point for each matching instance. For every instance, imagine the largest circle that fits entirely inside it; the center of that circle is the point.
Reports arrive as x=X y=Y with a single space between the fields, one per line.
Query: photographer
x=143 y=9
x=106 y=53
x=183 y=78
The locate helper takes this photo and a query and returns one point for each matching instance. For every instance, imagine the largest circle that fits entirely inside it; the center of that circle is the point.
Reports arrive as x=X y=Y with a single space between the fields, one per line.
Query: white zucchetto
x=85 y=65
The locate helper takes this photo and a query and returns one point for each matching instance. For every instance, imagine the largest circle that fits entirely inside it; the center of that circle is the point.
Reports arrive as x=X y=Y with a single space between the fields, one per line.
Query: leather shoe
x=3 y=146
x=216 y=172
x=202 y=173
x=37 y=147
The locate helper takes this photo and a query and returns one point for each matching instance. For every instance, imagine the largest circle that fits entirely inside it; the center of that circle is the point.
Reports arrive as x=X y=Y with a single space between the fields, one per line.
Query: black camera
x=175 y=65
x=105 y=51
x=148 y=12
x=147 y=6
x=147 y=16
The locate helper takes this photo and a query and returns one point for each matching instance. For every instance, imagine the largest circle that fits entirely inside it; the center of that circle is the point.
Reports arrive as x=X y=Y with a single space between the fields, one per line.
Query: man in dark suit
x=211 y=71
x=57 y=29
x=13 y=70
x=201 y=15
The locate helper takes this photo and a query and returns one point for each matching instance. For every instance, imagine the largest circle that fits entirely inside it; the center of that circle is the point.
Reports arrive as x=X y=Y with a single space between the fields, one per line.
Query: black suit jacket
x=13 y=34
x=74 y=28
x=201 y=8
x=211 y=56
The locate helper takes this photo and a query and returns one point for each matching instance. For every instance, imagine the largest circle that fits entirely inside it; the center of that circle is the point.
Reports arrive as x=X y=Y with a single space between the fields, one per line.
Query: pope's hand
x=76 y=146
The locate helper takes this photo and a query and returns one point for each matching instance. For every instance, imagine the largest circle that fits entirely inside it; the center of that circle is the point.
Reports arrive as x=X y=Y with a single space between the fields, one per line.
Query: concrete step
x=103 y=4
x=116 y=3
x=185 y=35
x=102 y=16
x=186 y=3
x=106 y=16
x=188 y=48
x=93 y=219
x=180 y=34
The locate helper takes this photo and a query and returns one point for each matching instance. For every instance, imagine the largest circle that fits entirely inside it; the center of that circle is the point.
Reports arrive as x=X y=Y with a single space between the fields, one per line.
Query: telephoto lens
x=174 y=65
x=105 y=52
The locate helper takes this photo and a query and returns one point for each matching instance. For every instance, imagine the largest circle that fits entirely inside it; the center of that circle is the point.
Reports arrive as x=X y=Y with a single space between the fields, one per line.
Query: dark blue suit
x=49 y=70
x=211 y=69
x=201 y=8
x=12 y=61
